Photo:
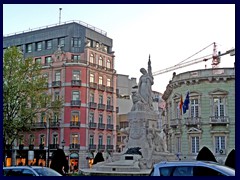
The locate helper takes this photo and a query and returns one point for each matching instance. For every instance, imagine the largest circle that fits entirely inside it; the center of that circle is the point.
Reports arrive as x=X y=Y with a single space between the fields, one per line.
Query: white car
x=191 y=168
x=29 y=171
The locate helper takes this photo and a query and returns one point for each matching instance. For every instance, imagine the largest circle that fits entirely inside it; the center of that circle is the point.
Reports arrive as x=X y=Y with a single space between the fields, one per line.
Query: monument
x=145 y=143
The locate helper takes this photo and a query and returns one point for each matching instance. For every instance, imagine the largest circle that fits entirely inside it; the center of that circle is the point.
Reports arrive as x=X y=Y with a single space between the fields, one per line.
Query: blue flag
x=186 y=103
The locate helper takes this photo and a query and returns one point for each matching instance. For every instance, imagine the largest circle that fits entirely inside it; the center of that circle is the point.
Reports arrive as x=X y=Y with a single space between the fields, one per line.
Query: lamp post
x=48 y=142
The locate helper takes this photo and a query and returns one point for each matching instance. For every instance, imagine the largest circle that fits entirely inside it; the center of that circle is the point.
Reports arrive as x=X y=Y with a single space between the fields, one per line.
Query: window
x=76 y=58
x=57 y=76
x=91 y=117
x=42 y=139
x=55 y=117
x=100 y=119
x=55 y=138
x=109 y=119
x=75 y=117
x=75 y=139
x=183 y=171
x=48 y=60
x=123 y=124
x=100 y=99
x=75 y=95
x=92 y=97
x=108 y=82
x=178 y=144
x=28 y=48
x=91 y=58
x=56 y=96
x=100 y=62
x=38 y=60
x=61 y=42
x=49 y=44
x=100 y=140
x=109 y=140
x=91 y=139
x=39 y=46
x=20 y=139
x=76 y=75
x=219 y=107
x=195 y=145
x=91 y=78
x=108 y=64
x=194 y=108
x=177 y=110
x=43 y=117
x=31 y=139
x=100 y=80
x=219 y=143
x=108 y=101
x=76 y=42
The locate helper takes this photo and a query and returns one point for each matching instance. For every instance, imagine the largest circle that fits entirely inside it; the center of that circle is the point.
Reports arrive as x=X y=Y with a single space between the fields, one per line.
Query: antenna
x=60 y=15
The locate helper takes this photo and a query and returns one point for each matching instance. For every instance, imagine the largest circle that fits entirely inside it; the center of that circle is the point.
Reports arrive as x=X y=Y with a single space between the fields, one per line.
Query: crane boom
x=191 y=62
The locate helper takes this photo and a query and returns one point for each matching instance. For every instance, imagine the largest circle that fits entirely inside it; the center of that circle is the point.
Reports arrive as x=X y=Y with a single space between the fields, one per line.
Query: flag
x=186 y=103
x=181 y=104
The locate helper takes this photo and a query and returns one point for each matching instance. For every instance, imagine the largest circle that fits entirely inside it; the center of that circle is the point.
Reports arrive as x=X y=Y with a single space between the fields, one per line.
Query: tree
x=24 y=95
x=230 y=161
x=206 y=155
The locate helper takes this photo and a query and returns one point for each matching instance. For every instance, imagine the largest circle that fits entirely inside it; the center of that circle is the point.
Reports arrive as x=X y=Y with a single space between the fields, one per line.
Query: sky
x=169 y=33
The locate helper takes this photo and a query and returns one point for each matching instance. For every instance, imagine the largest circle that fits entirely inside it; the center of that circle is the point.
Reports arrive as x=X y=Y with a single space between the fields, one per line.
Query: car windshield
x=228 y=170
x=46 y=172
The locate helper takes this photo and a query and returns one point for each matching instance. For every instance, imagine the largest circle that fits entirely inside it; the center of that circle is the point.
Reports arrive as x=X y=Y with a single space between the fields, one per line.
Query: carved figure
x=145 y=84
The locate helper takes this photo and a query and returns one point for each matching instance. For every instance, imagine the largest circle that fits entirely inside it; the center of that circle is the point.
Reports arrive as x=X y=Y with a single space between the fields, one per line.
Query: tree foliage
x=25 y=95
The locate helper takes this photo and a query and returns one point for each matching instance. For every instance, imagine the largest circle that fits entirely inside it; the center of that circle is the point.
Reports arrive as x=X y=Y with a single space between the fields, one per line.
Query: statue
x=145 y=85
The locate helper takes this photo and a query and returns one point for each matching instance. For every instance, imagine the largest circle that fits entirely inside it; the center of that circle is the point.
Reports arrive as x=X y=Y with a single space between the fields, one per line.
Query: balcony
x=92 y=147
x=92 y=125
x=101 y=126
x=31 y=147
x=109 y=148
x=76 y=82
x=53 y=146
x=175 y=122
x=101 y=106
x=39 y=125
x=74 y=146
x=101 y=147
x=109 y=89
x=76 y=103
x=92 y=105
x=56 y=84
x=219 y=120
x=192 y=121
x=75 y=124
x=110 y=127
x=101 y=87
x=55 y=124
x=110 y=108
x=41 y=146
x=93 y=85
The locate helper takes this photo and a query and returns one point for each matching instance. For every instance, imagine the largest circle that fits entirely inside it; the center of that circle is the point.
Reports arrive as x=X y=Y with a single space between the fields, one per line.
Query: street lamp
x=63 y=143
x=48 y=142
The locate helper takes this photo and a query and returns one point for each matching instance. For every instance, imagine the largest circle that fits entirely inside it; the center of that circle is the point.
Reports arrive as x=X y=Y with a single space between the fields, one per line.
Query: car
x=191 y=168
x=29 y=171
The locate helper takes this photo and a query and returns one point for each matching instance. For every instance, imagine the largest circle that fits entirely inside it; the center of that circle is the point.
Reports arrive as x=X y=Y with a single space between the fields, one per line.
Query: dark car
x=29 y=171
x=191 y=168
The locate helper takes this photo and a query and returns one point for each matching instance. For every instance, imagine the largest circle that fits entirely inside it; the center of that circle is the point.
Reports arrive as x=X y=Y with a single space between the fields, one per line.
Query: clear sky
x=169 y=33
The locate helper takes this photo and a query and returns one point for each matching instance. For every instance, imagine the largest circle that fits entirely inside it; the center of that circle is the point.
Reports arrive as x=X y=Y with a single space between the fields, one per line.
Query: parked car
x=191 y=168
x=29 y=171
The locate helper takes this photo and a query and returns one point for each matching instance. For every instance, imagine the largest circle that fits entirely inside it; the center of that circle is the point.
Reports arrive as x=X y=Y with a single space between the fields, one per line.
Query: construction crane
x=214 y=56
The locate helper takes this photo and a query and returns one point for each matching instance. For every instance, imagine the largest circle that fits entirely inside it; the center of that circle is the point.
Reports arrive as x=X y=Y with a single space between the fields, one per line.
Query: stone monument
x=145 y=143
